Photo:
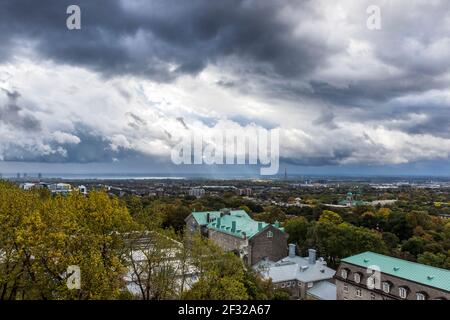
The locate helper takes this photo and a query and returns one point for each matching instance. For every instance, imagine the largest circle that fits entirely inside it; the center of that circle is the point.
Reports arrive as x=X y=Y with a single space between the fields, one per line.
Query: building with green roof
x=374 y=276
x=235 y=230
x=352 y=200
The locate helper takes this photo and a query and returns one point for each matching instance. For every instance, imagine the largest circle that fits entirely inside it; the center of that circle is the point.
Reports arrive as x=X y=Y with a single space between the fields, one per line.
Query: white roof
x=323 y=290
x=294 y=268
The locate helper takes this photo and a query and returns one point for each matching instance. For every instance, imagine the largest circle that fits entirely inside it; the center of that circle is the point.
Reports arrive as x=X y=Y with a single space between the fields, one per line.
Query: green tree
x=297 y=228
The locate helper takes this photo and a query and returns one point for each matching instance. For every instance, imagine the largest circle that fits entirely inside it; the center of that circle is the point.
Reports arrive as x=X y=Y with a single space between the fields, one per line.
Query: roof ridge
x=404 y=260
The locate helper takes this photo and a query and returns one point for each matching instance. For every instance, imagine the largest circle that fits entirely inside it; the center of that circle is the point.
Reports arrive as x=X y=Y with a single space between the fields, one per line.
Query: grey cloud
x=13 y=115
x=118 y=39
x=163 y=39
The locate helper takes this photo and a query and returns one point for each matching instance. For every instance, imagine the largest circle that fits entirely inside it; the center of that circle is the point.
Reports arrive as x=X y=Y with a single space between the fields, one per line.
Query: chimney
x=218 y=223
x=311 y=256
x=291 y=250
x=260 y=226
x=233 y=226
x=207 y=218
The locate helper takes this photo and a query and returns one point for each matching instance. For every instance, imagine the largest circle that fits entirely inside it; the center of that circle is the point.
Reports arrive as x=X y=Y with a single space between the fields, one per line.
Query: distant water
x=227 y=176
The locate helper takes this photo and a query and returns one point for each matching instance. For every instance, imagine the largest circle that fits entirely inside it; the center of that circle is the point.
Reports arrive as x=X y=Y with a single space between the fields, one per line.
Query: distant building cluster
x=197 y=192
x=54 y=188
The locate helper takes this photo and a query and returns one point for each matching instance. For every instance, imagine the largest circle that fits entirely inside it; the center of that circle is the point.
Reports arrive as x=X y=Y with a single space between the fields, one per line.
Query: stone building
x=303 y=277
x=372 y=276
x=234 y=230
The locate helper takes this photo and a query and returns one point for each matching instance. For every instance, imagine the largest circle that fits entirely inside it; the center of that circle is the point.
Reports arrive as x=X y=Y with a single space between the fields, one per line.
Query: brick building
x=234 y=230
x=372 y=276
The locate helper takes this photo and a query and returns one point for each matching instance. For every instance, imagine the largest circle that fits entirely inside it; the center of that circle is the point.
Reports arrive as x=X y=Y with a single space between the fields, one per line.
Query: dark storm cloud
x=162 y=39
x=288 y=59
x=12 y=114
x=117 y=38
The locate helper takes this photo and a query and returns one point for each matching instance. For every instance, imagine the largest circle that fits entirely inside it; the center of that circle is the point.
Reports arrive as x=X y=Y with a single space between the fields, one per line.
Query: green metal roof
x=244 y=224
x=200 y=217
x=420 y=273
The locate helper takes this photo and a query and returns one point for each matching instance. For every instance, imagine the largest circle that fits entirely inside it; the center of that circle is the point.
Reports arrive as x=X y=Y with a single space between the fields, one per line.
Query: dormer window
x=420 y=296
x=269 y=234
x=344 y=273
x=357 y=277
x=403 y=292
x=386 y=287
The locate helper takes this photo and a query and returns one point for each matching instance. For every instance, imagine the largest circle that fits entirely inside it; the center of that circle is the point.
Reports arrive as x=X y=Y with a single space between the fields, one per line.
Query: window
x=283 y=285
x=386 y=287
x=288 y=284
x=310 y=284
x=420 y=296
x=357 y=277
x=403 y=292
x=269 y=234
x=358 y=293
x=299 y=284
x=345 y=288
x=344 y=273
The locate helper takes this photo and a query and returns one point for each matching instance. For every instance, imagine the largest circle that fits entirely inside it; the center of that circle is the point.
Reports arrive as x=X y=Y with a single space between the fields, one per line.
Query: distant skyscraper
x=18 y=175
x=39 y=176
x=285 y=174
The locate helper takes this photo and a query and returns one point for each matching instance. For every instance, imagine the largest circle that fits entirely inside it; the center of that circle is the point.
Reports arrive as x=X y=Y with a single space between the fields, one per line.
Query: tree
x=438 y=260
x=156 y=266
x=221 y=275
x=174 y=216
x=43 y=236
x=415 y=246
x=391 y=240
x=335 y=241
x=297 y=228
x=330 y=216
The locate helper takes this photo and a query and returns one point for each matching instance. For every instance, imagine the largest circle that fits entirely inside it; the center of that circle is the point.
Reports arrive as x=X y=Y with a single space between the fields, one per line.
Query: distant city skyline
x=112 y=97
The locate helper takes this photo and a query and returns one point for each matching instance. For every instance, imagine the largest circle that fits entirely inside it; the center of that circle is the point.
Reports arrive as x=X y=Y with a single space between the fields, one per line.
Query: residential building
x=60 y=188
x=83 y=190
x=352 y=200
x=27 y=186
x=245 y=192
x=234 y=230
x=197 y=192
x=304 y=277
x=372 y=276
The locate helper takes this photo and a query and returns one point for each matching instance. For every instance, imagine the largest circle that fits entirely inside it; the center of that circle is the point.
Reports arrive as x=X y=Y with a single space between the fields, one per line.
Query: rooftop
x=323 y=290
x=420 y=273
x=295 y=268
x=244 y=225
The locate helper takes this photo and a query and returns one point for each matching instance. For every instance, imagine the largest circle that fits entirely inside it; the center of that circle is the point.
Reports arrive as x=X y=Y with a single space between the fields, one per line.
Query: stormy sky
x=111 y=96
